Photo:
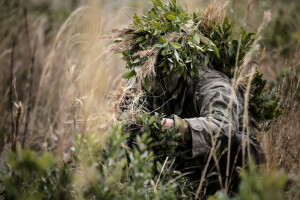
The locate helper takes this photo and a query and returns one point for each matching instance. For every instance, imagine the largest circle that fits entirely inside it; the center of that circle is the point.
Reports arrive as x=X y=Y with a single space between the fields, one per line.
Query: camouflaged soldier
x=201 y=108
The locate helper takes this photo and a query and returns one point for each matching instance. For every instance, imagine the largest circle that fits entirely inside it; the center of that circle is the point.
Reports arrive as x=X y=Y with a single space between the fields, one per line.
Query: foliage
x=283 y=33
x=163 y=142
x=287 y=83
x=223 y=37
x=256 y=185
x=180 y=39
x=267 y=104
x=114 y=171
x=264 y=104
x=36 y=176
x=164 y=145
x=118 y=172
x=11 y=13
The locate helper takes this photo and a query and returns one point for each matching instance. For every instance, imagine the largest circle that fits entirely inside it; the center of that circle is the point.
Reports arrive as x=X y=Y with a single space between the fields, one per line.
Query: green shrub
x=119 y=172
x=256 y=185
x=35 y=176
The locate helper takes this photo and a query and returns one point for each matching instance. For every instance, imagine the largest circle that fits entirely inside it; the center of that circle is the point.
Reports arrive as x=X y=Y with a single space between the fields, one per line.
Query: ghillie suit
x=183 y=65
x=201 y=111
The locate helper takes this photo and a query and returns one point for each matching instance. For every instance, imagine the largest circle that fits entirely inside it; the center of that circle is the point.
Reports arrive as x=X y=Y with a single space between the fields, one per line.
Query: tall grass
x=74 y=74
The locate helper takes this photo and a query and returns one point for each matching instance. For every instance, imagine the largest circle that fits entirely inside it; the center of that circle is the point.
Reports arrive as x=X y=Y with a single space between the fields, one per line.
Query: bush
x=35 y=176
x=257 y=185
x=119 y=172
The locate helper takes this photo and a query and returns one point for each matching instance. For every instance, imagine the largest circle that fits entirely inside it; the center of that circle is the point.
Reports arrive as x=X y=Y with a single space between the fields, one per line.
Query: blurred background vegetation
x=73 y=74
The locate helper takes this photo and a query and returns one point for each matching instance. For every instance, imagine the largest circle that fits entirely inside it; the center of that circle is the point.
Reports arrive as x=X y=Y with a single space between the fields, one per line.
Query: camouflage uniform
x=200 y=110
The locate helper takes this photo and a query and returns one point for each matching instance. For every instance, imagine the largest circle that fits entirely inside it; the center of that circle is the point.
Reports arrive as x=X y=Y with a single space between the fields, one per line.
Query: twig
x=211 y=152
x=218 y=170
x=234 y=85
x=11 y=95
x=17 y=120
x=31 y=55
x=162 y=169
x=229 y=143
x=245 y=120
x=178 y=177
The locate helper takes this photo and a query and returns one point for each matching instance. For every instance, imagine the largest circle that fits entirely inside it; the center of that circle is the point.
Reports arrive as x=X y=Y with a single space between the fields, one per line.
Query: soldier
x=206 y=109
x=207 y=112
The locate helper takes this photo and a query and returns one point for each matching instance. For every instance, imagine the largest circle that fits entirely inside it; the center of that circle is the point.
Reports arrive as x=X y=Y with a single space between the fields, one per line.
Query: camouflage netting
x=169 y=39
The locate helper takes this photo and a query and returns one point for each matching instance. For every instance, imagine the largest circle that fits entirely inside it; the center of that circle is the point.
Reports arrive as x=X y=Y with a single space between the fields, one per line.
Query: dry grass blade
x=31 y=55
x=162 y=169
x=122 y=34
x=17 y=117
x=212 y=14
x=13 y=135
x=211 y=155
x=51 y=56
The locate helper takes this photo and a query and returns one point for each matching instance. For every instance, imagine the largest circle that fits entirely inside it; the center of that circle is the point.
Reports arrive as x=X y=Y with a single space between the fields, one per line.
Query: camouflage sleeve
x=212 y=101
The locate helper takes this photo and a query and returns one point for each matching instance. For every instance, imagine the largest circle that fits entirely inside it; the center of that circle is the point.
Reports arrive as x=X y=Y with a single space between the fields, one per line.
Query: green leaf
x=128 y=75
x=175 y=45
x=199 y=48
x=183 y=15
x=171 y=66
x=139 y=39
x=218 y=29
x=163 y=63
x=159 y=4
x=196 y=38
x=118 y=40
x=140 y=32
x=225 y=22
x=209 y=43
x=146 y=85
x=158 y=166
x=196 y=71
x=143 y=43
x=165 y=50
x=151 y=120
x=184 y=73
x=171 y=17
x=189 y=38
x=153 y=15
x=206 y=59
x=173 y=2
x=176 y=55
x=161 y=45
x=168 y=26
x=135 y=61
x=156 y=24
x=136 y=19
x=194 y=16
x=161 y=39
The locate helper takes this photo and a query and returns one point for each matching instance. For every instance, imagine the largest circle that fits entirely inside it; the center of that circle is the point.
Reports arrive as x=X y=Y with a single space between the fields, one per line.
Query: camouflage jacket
x=200 y=107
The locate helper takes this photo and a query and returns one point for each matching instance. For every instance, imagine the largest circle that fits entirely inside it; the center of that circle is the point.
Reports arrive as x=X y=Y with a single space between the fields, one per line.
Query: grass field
x=57 y=73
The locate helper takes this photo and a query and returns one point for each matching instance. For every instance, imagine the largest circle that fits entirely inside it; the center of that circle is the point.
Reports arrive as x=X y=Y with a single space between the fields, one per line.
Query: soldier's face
x=171 y=82
x=165 y=83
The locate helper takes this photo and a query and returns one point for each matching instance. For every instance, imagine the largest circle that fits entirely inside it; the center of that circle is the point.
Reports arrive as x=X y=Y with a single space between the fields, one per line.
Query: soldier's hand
x=169 y=123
